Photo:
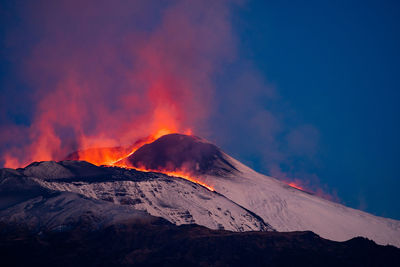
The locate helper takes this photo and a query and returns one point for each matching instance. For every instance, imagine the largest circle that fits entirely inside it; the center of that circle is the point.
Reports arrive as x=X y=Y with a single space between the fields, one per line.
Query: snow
x=176 y=200
x=61 y=210
x=288 y=209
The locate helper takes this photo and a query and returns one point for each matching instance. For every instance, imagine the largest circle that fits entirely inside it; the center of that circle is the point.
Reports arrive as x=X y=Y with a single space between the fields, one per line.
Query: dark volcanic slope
x=177 y=152
x=51 y=170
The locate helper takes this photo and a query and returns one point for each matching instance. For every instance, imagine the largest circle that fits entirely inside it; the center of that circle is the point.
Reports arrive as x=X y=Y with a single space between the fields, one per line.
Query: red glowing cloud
x=106 y=74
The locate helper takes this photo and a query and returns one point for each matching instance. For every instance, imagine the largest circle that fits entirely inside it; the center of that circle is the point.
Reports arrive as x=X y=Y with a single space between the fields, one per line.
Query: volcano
x=173 y=181
x=281 y=206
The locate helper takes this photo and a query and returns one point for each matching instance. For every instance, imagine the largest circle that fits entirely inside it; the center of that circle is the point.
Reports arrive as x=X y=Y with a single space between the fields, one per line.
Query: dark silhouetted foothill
x=175 y=152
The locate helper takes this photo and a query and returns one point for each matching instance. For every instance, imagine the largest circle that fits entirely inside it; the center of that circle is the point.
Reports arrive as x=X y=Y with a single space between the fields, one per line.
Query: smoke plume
x=105 y=73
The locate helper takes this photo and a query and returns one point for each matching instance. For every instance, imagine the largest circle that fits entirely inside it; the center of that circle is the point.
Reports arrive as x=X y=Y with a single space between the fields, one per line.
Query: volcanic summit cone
x=177 y=152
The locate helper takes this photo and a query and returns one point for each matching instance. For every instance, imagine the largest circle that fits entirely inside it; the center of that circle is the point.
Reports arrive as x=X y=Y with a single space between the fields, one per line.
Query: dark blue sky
x=310 y=95
x=335 y=65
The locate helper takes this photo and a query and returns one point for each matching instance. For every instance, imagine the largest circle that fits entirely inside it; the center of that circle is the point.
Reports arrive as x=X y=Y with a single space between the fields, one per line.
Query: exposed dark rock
x=162 y=244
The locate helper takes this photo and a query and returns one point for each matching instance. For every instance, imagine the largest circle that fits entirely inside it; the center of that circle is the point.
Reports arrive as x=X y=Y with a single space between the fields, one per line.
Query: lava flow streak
x=177 y=174
x=187 y=177
x=296 y=186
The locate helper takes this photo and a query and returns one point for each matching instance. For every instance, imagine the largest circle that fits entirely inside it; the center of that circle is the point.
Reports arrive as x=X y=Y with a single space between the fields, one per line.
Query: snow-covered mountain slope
x=289 y=209
x=62 y=210
x=24 y=202
x=174 y=199
x=283 y=207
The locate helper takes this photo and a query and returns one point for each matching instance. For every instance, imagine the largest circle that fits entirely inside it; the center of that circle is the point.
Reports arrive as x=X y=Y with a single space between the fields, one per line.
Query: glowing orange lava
x=187 y=177
x=177 y=174
x=296 y=186
x=112 y=156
